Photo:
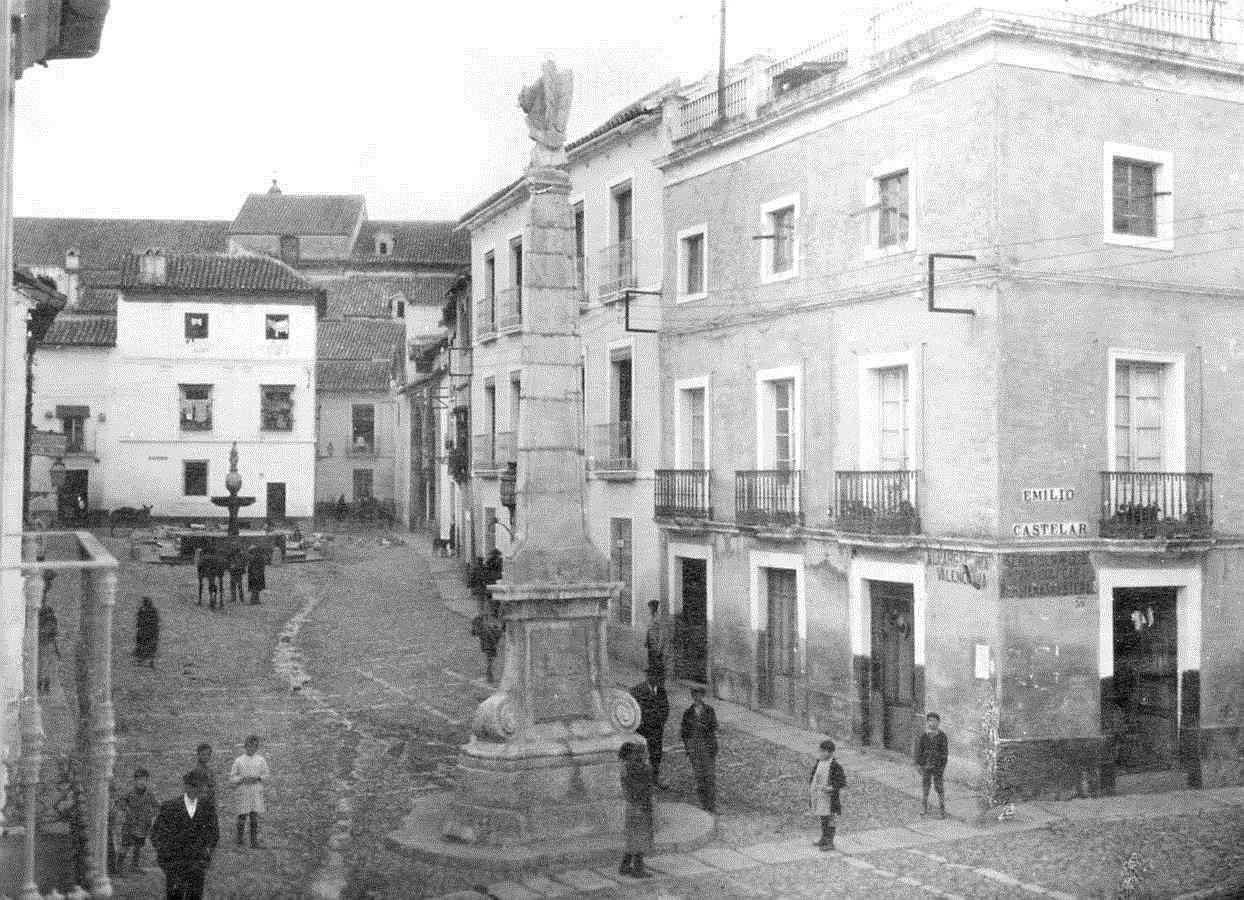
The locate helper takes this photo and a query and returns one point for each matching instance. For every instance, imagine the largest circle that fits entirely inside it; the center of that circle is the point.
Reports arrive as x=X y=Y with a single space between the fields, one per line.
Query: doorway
x=691 y=625
x=71 y=504
x=893 y=703
x=1143 y=720
x=779 y=642
x=276 y=501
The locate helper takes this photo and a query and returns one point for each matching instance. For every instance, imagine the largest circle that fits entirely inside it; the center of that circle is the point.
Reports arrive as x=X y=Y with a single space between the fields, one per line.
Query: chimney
x=71 y=277
x=152 y=267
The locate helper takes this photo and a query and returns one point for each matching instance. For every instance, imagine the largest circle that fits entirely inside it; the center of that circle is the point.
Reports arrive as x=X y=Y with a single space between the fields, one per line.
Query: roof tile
x=352 y=375
x=299 y=214
x=39 y=241
x=414 y=241
x=82 y=331
x=360 y=339
x=217 y=272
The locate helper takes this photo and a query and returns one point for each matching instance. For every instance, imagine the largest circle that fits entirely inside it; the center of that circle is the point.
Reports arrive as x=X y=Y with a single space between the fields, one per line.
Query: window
x=196 y=326
x=516 y=397
x=74 y=428
x=580 y=251
x=363 y=428
x=1138 y=440
x=692 y=283
x=276 y=327
x=893 y=417
x=363 y=484
x=1136 y=202
x=276 y=407
x=516 y=273
x=194 y=477
x=623 y=213
x=490 y=422
x=620 y=556
x=691 y=450
x=892 y=210
x=778 y=434
x=778 y=238
x=152 y=266
x=490 y=291
x=384 y=244
x=196 y=407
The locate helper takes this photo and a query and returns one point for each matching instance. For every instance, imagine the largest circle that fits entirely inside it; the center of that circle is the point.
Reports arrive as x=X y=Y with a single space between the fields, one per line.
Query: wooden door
x=894 y=664
x=780 y=642
x=71 y=498
x=1145 y=719
x=691 y=626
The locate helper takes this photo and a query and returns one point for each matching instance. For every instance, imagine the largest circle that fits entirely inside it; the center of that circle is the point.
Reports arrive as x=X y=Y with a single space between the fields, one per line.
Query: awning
x=73 y=412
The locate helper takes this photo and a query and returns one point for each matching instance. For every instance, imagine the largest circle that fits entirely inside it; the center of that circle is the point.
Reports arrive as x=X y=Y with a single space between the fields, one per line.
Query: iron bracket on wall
x=626 y=299
x=946 y=309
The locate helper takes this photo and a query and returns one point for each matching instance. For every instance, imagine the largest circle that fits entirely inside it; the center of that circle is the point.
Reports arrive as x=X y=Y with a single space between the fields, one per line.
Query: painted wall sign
x=1046 y=575
x=1049 y=529
x=48 y=443
x=958 y=567
x=1049 y=495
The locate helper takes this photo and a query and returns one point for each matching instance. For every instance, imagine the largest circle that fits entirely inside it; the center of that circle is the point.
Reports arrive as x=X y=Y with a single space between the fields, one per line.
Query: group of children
x=828 y=778
x=134 y=813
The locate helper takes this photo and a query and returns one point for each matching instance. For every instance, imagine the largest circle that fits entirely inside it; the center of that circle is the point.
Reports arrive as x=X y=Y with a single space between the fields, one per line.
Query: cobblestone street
x=360 y=675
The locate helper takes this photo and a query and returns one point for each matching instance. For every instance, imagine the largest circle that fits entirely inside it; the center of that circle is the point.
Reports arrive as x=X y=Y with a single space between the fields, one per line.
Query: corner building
x=1012 y=497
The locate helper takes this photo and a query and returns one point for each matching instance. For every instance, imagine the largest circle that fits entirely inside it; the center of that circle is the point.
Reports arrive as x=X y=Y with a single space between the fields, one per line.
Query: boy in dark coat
x=489 y=630
x=824 y=793
x=932 y=751
x=146 y=634
x=699 y=736
x=654 y=710
x=136 y=811
x=184 y=835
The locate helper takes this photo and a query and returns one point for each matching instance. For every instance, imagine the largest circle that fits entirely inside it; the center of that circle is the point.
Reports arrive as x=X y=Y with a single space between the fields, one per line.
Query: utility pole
x=721 y=66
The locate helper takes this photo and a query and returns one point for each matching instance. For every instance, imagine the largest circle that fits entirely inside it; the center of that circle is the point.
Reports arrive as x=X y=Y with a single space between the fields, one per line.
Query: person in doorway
x=256 y=572
x=489 y=629
x=136 y=811
x=828 y=780
x=932 y=752
x=699 y=737
x=654 y=711
x=146 y=633
x=659 y=640
x=49 y=646
x=184 y=839
x=249 y=772
x=637 y=792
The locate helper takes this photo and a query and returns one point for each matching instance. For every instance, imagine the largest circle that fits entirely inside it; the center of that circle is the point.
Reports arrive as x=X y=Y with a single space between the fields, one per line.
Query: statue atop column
x=547 y=105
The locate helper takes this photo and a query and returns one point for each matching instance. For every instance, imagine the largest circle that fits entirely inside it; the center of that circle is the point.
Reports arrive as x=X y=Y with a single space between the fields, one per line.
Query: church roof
x=299 y=214
x=414 y=241
x=43 y=241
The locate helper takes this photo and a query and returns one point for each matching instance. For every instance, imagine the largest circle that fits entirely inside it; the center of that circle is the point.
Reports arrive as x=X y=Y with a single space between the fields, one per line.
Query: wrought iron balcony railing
x=617 y=269
x=613 y=448
x=510 y=308
x=683 y=492
x=1156 y=504
x=492 y=452
x=66 y=714
x=485 y=317
x=768 y=497
x=877 y=502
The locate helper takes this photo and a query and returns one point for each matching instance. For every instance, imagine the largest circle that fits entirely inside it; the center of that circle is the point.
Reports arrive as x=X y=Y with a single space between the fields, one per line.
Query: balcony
x=612 y=448
x=67 y=731
x=769 y=497
x=485 y=321
x=1149 y=505
x=510 y=309
x=362 y=445
x=684 y=493
x=493 y=452
x=617 y=270
x=876 y=502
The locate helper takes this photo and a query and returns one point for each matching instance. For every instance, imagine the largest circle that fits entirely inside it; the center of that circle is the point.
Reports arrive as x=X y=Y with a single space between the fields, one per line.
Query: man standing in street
x=654 y=710
x=184 y=835
x=699 y=736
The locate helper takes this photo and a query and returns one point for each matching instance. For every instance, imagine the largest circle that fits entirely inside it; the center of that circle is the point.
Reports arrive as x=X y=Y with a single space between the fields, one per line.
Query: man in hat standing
x=654 y=710
x=659 y=639
x=699 y=736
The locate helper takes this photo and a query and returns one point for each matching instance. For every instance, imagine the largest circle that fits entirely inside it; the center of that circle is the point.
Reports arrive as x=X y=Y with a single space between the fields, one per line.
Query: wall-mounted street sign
x=48 y=443
x=1049 y=494
x=1049 y=529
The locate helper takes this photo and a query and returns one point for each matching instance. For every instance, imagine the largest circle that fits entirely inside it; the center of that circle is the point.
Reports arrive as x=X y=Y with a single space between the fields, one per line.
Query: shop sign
x=1046 y=575
x=958 y=567
x=48 y=443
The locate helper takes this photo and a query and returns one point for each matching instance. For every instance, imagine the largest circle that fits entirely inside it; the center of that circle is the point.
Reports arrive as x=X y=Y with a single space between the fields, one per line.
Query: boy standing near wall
x=932 y=751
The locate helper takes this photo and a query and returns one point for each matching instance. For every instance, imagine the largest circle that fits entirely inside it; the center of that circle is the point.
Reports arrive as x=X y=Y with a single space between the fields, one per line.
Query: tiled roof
x=82 y=331
x=97 y=300
x=424 y=242
x=641 y=107
x=428 y=291
x=100 y=243
x=490 y=200
x=352 y=375
x=217 y=272
x=368 y=296
x=360 y=339
x=299 y=214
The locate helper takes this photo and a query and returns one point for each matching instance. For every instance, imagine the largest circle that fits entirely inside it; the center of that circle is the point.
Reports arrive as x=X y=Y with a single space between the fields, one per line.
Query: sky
x=190 y=106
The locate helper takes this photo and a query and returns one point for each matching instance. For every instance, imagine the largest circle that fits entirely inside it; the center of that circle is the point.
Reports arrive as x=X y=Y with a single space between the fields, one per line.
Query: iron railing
x=768 y=497
x=701 y=113
x=614 y=450
x=510 y=308
x=485 y=317
x=1156 y=504
x=74 y=734
x=877 y=502
x=617 y=269
x=683 y=492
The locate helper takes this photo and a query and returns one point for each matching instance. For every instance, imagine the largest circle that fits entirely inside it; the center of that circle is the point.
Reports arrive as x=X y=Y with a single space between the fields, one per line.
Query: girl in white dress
x=249 y=772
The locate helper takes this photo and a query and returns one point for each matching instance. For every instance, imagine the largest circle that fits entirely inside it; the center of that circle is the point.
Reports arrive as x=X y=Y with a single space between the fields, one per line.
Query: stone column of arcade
x=540 y=778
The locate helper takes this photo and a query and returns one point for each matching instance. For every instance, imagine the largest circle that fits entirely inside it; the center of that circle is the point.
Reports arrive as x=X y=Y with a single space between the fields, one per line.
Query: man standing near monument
x=699 y=736
x=654 y=711
x=659 y=640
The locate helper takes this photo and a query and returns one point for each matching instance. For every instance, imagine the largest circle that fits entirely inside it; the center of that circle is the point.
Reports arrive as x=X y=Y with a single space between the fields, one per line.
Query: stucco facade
x=920 y=518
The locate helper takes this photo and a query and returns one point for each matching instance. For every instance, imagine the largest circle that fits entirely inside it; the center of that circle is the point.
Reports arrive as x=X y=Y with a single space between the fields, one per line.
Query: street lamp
x=57 y=473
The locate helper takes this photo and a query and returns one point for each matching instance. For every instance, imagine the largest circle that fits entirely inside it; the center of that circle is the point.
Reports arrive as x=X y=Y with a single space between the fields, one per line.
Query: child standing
x=248 y=774
x=135 y=812
x=828 y=779
x=932 y=751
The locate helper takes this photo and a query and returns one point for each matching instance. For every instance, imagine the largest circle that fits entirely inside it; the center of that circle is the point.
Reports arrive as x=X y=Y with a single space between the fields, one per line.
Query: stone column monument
x=541 y=766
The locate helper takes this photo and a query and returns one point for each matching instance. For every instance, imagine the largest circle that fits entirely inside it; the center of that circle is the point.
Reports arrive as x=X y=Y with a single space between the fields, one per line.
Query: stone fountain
x=233 y=484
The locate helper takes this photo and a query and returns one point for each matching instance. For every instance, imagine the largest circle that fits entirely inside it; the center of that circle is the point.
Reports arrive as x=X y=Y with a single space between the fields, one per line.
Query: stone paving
x=360 y=674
